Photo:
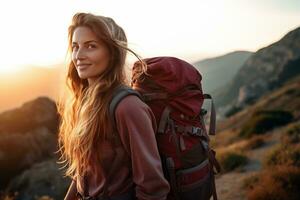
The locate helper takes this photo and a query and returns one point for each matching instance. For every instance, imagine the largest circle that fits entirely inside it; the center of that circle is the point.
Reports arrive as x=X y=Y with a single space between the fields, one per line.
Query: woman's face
x=89 y=55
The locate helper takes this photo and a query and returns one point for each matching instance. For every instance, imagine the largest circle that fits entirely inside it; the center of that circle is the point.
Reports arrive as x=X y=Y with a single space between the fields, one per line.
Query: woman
x=89 y=147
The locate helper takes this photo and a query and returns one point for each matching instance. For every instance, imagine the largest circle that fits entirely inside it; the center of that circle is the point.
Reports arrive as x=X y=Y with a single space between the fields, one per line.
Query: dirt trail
x=230 y=185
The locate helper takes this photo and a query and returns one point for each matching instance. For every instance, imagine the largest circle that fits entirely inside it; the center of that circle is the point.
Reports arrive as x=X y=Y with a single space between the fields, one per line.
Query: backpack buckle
x=197 y=131
x=192 y=130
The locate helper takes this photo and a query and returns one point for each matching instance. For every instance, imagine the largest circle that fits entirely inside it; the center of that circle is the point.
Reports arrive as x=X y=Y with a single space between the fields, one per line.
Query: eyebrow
x=86 y=42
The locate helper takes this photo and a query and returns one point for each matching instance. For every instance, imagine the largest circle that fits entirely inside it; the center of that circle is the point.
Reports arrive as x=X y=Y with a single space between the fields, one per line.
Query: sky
x=34 y=33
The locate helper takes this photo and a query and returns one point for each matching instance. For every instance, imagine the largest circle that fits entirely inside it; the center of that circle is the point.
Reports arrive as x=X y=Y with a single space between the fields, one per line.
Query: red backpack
x=172 y=89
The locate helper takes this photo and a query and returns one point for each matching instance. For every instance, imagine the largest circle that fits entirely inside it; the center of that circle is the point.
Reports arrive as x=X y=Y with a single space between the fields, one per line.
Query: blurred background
x=248 y=53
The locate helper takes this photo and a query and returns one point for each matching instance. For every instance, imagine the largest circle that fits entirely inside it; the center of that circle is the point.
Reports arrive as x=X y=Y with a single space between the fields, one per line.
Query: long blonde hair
x=84 y=112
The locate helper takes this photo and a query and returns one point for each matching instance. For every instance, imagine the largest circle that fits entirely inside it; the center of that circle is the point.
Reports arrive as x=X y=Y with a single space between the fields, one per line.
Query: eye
x=74 y=47
x=91 y=46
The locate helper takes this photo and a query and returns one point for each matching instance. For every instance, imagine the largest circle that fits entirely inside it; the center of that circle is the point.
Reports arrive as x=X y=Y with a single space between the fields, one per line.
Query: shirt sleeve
x=136 y=125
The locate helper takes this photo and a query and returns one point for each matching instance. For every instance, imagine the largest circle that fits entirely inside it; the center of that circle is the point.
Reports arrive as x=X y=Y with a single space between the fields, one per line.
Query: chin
x=83 y=76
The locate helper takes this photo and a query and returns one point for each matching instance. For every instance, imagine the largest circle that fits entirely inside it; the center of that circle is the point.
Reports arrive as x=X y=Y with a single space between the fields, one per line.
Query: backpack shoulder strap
x=120 y=92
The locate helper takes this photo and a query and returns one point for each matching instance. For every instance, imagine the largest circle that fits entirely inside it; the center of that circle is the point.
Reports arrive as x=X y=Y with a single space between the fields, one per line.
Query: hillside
x=261 y=150
x=218 y=71
x=265 y=71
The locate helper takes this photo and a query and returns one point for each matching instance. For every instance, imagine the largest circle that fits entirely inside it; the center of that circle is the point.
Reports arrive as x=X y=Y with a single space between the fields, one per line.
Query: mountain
x=266 y=70
x=218 y=71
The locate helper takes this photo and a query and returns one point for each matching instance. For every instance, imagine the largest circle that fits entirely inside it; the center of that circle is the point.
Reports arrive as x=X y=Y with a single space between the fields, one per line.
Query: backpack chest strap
x=191 y=130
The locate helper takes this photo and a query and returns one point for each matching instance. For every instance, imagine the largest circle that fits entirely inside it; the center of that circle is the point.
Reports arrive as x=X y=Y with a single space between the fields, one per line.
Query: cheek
x=73 y=58
x=101 y=58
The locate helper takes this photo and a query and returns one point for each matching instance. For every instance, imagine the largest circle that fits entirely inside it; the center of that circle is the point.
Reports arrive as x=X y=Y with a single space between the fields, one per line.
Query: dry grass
x=278 y=183
x=254 y=142
x=275 y=180
x=282 y=99
x=291 y=134
x=231 y=160
x=14 y=196
x=283 y=154
x=224 y=138
x=280 y=177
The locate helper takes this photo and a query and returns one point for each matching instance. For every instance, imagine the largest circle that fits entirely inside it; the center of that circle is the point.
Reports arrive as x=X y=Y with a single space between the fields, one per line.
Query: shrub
x=278 y=183
x=292 y=134
x=231 y=160
x=283 y=155
x=263 y=121
x=254 y=143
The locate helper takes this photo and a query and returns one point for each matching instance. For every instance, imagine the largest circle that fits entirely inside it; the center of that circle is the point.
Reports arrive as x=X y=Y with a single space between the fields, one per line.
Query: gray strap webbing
x=171 y=171
x=119 y=93
x=164 y=119
x=155 y=96
x=212 y=125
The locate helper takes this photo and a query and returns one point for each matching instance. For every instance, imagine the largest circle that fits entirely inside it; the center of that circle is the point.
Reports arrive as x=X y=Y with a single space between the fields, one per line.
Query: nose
x=80 y=54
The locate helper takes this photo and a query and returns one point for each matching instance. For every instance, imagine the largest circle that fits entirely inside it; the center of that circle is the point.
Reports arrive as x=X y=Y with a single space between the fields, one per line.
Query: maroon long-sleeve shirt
x=139 y=162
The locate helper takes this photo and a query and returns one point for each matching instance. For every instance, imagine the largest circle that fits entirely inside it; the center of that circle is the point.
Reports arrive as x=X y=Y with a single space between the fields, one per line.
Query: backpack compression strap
x=212 y=126
x=119 y=93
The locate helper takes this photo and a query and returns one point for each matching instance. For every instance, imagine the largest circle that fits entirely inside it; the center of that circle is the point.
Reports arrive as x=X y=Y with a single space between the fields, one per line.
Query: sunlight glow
x=8 y=69
x=191 y=29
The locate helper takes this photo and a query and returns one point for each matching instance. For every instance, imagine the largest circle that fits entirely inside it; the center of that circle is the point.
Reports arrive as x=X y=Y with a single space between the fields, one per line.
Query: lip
x=83 y=66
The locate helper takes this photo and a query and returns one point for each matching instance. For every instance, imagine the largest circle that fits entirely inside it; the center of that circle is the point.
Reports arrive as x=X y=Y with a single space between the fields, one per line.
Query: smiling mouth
x=83 y=66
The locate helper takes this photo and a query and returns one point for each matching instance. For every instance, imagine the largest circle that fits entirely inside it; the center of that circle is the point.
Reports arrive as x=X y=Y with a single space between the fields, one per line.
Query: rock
x=27 y=135
x=42 y=179
x=39 y=112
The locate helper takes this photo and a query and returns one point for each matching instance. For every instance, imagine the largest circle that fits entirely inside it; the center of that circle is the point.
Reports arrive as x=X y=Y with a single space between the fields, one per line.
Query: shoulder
x=130 y=103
